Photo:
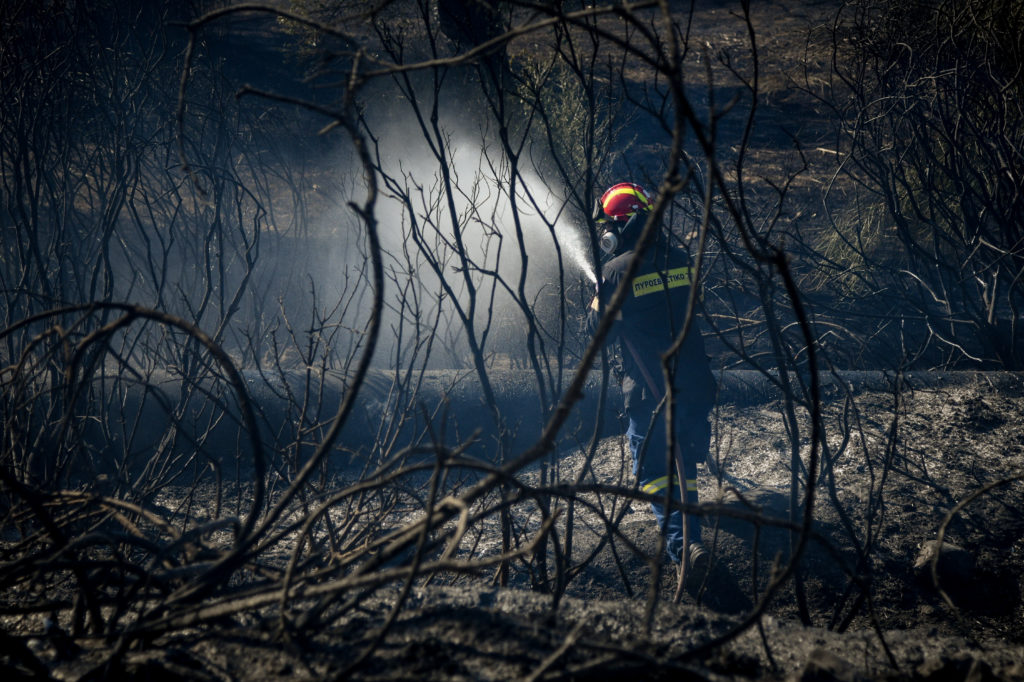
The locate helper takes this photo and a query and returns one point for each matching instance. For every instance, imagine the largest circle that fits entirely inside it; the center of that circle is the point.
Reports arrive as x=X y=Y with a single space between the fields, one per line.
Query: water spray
x=575 y=247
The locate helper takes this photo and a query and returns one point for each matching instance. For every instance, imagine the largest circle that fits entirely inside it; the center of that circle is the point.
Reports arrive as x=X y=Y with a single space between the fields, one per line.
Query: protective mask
x=609 y=242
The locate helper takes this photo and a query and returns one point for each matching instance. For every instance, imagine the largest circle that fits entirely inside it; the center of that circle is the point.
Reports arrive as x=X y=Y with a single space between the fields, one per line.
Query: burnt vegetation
x=294 y=367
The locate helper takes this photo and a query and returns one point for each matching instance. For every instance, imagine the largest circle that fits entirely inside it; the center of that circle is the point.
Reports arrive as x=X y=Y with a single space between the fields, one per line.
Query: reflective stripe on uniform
x=656 y=486
x=659 y=484
x=654 y=282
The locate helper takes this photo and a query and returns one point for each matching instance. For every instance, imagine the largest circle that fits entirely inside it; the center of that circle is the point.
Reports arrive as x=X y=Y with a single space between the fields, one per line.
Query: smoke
x=491 y=252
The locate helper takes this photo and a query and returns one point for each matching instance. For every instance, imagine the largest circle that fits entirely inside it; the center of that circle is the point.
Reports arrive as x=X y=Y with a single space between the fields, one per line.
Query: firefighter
x=651 y=317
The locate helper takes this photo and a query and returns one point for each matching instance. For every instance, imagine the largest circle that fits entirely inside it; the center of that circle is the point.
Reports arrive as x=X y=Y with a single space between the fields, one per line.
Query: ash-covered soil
x=901 y=468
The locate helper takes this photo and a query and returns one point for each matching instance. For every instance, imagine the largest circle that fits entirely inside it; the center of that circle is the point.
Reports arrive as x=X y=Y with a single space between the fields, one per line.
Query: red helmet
x=621 y=201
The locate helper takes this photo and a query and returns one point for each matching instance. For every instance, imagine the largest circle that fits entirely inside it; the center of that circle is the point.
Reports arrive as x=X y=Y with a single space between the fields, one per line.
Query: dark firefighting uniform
x=652 y=316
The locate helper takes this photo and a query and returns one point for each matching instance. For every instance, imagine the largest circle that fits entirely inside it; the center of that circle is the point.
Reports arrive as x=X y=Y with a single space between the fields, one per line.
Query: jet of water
x=575 y=247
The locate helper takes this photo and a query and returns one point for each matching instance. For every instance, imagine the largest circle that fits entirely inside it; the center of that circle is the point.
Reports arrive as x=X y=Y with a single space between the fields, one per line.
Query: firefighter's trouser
x=693 y=434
